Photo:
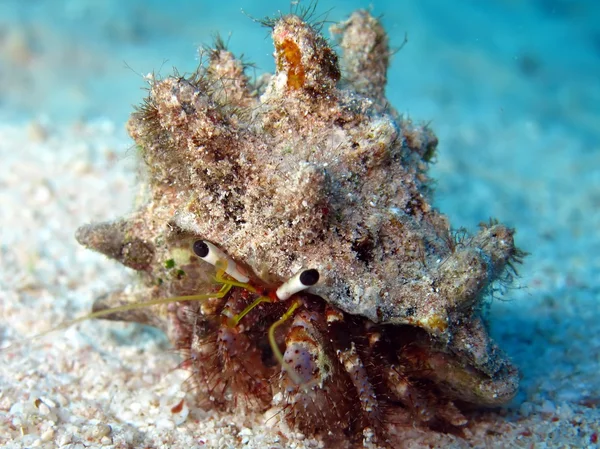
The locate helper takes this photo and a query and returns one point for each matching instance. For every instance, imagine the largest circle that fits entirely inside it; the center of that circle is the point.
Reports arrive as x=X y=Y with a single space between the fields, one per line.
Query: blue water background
x=511 y=87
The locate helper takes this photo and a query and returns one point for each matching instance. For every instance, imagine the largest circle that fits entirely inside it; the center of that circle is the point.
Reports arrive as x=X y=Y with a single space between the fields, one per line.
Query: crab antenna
x=300 y=281
x=211 y=254
x=124 y=308
x=275 y=348
x=232 y=322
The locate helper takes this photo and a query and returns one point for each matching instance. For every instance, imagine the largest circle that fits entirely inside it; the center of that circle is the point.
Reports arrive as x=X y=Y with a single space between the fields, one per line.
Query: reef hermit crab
x=286 y=243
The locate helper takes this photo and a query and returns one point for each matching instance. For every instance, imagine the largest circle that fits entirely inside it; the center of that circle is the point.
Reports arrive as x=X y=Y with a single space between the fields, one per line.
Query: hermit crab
x=286 y=243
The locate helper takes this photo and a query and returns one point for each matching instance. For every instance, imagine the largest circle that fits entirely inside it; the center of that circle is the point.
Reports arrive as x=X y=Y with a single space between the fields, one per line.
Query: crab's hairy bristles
x=232 y=322
x=275 y=348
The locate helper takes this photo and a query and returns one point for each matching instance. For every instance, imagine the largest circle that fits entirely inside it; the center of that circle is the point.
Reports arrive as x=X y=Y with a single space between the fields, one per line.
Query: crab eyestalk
x=300 y=281
x=213 y=255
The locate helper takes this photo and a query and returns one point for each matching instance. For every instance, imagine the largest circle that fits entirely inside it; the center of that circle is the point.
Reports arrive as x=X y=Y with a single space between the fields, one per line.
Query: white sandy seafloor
x=513 y=91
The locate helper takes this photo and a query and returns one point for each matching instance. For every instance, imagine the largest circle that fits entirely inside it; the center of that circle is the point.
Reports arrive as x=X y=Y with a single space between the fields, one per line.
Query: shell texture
x=309 y=168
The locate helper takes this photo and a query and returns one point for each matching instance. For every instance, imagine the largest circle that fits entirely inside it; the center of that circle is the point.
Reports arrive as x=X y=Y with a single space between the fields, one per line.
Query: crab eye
x=309 y=277
x=300 y=281
x=201 y=249
x=213 y=255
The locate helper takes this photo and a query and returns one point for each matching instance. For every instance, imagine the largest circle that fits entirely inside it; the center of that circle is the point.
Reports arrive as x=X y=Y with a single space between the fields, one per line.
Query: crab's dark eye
x=309 y=277
x=201 y=249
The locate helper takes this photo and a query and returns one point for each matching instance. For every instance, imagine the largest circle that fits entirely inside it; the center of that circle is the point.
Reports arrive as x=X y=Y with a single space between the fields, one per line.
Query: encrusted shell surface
x=310 y=169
